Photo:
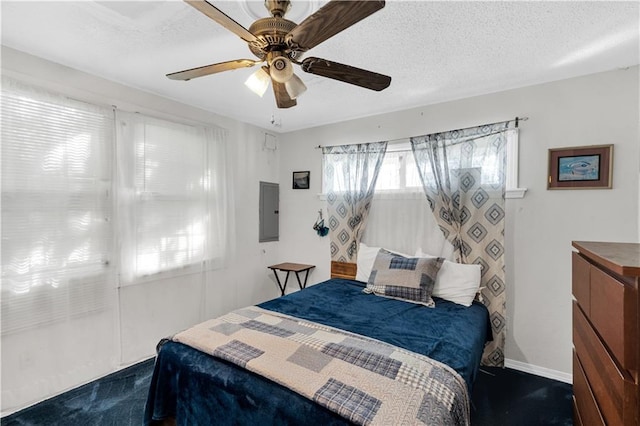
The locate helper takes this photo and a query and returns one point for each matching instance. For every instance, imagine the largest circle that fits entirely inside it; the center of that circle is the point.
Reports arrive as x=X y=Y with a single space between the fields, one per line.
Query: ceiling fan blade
x=329 y=20
x=348 y=74
x=211 y=69
x=283 y=100
x=221 y=18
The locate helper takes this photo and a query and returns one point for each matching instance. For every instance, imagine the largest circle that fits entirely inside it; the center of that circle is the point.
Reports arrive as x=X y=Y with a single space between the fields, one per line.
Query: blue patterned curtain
x=350 y=174
x=463 y=176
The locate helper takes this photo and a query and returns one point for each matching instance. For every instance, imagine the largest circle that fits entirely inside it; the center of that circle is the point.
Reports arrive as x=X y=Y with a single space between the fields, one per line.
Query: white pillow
x=456 y=282
x=366 y=257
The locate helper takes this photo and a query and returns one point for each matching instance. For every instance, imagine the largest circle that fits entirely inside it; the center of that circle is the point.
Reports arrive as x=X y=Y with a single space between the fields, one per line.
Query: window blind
x=56 y=207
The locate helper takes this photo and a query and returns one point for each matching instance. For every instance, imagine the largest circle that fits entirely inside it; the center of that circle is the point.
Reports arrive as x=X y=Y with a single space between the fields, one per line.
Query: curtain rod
x=516 y=120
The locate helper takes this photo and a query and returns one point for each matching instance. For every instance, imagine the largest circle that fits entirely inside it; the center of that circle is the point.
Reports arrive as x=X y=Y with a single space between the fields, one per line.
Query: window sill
x=515 y=193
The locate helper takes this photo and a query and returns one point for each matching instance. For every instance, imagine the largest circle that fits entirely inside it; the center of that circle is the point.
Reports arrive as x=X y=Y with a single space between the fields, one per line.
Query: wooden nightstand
x=291 y=267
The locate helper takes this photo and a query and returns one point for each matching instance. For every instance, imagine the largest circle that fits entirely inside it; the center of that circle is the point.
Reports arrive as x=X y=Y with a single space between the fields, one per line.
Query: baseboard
x=539 y=371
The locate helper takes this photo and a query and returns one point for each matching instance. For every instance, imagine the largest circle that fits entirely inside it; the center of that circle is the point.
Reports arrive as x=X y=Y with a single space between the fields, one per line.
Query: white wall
x=595 y=109
x=40 y=363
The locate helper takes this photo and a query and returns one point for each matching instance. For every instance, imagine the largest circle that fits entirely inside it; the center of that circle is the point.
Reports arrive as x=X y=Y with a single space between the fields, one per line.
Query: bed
x=192 y=387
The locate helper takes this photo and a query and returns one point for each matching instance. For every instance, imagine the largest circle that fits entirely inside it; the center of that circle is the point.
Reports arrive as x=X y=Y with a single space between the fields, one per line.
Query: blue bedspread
x=196 y=388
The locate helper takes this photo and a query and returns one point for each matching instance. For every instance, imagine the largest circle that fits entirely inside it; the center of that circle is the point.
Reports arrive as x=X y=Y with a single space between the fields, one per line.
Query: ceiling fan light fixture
x=280 y=43
x=258 y=82
x=281 y=69
x=295 y=87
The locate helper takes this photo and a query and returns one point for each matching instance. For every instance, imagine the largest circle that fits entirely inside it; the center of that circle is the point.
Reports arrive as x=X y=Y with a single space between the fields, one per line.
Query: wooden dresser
x=606 y=330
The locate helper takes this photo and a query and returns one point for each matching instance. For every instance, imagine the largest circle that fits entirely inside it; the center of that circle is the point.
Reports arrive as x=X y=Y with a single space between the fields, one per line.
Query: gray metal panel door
x=269 y=211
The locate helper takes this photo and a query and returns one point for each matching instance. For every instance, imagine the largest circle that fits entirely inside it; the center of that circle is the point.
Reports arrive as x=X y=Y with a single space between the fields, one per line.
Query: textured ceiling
x=434 y=51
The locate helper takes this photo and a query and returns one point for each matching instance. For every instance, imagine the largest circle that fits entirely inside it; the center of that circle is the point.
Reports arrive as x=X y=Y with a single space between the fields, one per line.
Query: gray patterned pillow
x=406 y=278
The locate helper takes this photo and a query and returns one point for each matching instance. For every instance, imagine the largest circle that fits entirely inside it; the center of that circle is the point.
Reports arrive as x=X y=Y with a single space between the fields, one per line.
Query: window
x=56 y=207
x=62 y=226
x=171 y=211
x=399 y=171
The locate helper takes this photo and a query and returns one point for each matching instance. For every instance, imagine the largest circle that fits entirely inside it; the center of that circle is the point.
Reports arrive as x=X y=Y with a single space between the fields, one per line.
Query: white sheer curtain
x=172 y=197
x=400 y=218
x=57 y=235
x=62 y=239
x=350 y=174
x=86 y=200
x=464 y=179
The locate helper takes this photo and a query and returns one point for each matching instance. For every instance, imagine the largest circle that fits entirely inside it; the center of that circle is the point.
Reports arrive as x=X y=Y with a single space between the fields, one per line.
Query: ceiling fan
x=280 y=43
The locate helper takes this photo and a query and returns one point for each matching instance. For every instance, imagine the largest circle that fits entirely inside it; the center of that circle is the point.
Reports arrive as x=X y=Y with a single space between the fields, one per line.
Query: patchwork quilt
x=366 y=381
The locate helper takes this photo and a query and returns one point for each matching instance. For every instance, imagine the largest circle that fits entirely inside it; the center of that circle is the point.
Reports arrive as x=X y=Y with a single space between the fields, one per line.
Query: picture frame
x=301 y=180
x=581 y=167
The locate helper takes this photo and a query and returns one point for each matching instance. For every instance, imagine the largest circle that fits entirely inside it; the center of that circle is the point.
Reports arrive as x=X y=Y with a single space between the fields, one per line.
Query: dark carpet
x=114 y=400
x=500 y=397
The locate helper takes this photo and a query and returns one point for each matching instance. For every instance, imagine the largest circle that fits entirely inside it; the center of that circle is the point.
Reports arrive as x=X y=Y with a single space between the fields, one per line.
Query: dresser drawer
x=580 y=281
x=586 y=411
x=611 y=389
x=577 y=420
x=613 y=314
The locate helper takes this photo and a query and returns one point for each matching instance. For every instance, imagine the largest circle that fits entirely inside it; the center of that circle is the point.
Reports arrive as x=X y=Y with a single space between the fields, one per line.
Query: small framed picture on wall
x=301 y=180
x=581 y=167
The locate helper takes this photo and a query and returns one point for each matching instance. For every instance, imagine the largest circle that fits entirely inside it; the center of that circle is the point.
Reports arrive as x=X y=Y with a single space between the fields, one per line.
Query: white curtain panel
x=57 y=235
x=90 y=202
x=464 y=175
x=172 y=186
x=58 y=294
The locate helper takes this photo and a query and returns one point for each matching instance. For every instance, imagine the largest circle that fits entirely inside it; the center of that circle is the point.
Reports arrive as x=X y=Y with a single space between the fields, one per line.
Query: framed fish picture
x=582 y=167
